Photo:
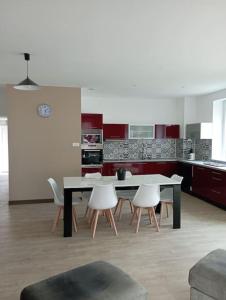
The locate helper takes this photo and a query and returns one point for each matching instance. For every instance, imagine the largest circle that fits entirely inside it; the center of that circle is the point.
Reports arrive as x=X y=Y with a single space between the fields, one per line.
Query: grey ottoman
x=208 y=277
x=98 y=281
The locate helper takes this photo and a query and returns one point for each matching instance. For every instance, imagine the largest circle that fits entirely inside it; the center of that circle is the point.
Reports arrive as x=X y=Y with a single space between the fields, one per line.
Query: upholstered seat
x=97 y=281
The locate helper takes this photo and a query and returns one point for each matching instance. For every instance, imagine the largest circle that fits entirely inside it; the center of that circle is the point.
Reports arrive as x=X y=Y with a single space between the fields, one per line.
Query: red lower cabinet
x=209 y=184
x=141 y=168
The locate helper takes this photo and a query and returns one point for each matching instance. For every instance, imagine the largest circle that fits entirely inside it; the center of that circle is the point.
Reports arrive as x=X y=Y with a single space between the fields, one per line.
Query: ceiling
x=145 y=48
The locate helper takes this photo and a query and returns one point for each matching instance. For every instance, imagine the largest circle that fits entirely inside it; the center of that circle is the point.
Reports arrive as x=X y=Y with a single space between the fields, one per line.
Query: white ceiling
x=130 y=47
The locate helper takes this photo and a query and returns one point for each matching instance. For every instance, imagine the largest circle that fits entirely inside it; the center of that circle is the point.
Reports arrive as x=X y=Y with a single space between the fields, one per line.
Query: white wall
x=135 y=110
x=205 y=105
x=3 y=102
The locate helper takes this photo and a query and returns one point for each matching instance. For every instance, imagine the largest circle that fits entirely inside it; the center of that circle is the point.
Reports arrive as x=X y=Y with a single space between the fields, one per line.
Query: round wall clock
x=44 y=110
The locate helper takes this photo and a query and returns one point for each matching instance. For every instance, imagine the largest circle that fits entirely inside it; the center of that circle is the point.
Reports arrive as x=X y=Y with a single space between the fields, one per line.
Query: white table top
x=135 y=180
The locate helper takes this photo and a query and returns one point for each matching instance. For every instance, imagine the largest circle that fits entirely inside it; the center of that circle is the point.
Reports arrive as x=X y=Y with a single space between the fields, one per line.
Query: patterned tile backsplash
x=156 y=149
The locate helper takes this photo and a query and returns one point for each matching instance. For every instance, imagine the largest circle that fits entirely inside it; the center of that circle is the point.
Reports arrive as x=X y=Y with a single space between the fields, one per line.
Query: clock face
x=44 y=110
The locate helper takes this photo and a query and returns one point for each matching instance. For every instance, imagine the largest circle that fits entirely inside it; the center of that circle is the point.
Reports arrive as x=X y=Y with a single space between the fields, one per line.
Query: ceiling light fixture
x=27 y=84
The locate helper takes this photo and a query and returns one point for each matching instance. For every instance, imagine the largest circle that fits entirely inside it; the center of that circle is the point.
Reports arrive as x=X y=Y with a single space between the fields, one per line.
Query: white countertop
x=203 y=164
x=141 y=160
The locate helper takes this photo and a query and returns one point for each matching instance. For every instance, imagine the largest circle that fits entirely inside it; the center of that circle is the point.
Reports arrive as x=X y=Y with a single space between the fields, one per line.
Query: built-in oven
x=92 y=156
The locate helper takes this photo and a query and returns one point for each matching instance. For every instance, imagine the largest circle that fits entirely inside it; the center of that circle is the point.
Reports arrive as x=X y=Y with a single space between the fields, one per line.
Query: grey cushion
x=97 y=281
x=196 y=295
x=209 y=275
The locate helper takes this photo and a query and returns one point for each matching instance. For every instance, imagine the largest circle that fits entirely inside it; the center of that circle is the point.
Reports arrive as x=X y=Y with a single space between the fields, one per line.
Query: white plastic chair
x=166 y=196
x=103 y=199
x=86 y=195
x=59 y=201
x=123 y=196
x=147 y=196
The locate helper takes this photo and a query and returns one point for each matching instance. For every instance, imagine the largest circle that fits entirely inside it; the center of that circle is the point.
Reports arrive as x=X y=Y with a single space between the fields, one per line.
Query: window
x=219 y=130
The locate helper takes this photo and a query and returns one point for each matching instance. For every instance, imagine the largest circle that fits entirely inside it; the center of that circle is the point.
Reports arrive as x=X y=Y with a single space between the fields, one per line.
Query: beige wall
x=42 y=147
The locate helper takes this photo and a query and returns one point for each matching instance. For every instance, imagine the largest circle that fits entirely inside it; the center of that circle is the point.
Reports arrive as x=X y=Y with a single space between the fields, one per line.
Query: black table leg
x=67 y=213
x=176 y=206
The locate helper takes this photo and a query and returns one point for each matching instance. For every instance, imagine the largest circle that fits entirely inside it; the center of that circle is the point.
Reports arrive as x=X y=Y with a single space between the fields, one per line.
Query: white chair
x=166 y=196
x=103 y=199
x=59 y=201
x=86 y=195
x=123 y=196
x=147 y=197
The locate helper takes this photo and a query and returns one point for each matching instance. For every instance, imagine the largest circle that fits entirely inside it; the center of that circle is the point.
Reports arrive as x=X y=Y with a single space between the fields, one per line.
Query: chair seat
x=94 y=281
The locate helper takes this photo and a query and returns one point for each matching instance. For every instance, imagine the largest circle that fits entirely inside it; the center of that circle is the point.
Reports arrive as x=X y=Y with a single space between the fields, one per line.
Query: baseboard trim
x=33 y=201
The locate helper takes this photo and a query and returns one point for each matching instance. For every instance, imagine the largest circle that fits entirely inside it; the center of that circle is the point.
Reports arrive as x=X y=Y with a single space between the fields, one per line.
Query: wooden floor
x=29 y=252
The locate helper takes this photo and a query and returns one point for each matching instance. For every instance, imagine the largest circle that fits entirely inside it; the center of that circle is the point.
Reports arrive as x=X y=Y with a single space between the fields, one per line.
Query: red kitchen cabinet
x=163 y=131
x=200 y=181
x=217 y=188
x=91 y=170
x=141 y=168
x=115 y=131
x=166 y=168
x=92 y=121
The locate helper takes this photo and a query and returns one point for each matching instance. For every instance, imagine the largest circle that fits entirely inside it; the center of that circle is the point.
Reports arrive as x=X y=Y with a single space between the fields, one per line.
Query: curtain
x=3 y=145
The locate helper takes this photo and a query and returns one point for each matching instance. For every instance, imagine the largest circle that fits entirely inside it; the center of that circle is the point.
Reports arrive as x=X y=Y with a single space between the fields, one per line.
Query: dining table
x=83 y=184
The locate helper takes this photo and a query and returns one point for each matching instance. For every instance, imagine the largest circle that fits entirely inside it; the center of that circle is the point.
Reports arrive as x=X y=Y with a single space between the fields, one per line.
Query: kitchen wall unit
x=91 y=121
x=115 y=131
x=166 y=168
x=163 y=131
x=141 y=131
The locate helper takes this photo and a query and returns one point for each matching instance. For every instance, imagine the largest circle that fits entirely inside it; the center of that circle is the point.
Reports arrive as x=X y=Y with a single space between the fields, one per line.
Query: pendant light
x=27 y=84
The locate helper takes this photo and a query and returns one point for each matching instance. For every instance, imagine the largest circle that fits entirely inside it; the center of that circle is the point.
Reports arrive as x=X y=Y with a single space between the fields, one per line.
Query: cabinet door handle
x=216 y=192
x=216 y=179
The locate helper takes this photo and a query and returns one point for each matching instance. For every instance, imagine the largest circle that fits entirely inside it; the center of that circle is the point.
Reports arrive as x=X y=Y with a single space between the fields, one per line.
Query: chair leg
x=134 y=214
x=57 y=217
x=120 y=209
x=131 y=207
x=87 y=211
x=161 y=212
x=155 y=219
x=113 y=221
x=108 y=217
x=95 y=222
x=150 y=215
x=116 y=207
x=167 y=211
x=138 y=220
x=74 y=218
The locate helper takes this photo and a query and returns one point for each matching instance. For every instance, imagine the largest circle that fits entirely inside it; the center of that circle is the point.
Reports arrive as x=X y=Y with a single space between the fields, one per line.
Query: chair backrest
x=177 y=178
x=103 y=197
x=58 y=196
x=148 y=195
x=96 y=175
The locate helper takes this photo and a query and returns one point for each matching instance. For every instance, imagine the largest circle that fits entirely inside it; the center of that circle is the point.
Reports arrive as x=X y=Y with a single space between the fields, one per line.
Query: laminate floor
x=29 y=252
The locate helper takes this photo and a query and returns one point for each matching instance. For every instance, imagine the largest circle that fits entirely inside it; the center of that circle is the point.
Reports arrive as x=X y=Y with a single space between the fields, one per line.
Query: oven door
x=92 y=157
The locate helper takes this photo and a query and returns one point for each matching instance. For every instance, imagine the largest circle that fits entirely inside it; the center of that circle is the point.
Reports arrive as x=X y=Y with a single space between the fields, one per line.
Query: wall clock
x=44 y=110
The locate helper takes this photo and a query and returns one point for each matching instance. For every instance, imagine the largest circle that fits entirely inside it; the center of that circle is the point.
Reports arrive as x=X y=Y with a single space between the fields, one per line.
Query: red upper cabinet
x=172 y=131
x=163 y=131
x=92 y=121
x=115 y=131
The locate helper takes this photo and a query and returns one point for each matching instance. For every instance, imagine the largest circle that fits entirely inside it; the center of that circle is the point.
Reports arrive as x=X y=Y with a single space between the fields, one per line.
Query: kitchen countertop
x=141 y=160
x=203 y=164
x=193 y=162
